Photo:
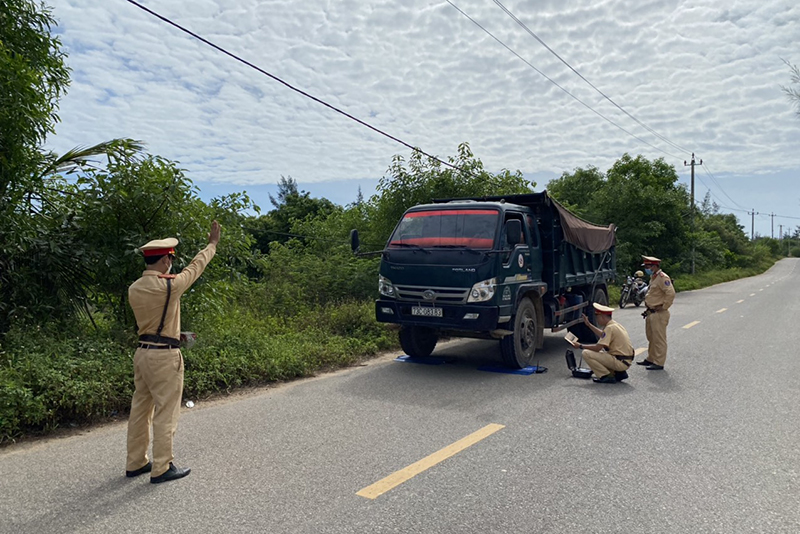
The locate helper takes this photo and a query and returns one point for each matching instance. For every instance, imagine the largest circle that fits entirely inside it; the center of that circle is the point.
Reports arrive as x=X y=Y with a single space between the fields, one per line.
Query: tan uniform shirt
x=616 y=340
x=660 y=292
x=148 y=294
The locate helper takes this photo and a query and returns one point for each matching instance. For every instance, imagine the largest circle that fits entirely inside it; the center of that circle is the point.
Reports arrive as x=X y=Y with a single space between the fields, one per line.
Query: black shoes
x=608 y=379
x=654 y=367
x=620 y=375
x=173 y=473
x=140 y=471
x=645 y=362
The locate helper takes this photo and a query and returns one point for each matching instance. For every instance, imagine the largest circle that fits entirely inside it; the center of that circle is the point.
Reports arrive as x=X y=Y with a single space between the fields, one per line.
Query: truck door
x=517 y=260
x=535 y=248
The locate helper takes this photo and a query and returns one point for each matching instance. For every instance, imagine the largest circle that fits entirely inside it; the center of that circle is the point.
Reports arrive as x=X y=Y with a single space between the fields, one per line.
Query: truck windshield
x=447 y=228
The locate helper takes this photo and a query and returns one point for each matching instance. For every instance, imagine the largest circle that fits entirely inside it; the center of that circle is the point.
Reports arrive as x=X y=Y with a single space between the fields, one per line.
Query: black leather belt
x=148 y=346
x=627 y=360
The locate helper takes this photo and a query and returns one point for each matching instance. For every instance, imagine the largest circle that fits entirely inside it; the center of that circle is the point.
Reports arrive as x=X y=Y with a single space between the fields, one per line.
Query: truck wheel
x=600 y=296
x=517 y=349
x=418 y=341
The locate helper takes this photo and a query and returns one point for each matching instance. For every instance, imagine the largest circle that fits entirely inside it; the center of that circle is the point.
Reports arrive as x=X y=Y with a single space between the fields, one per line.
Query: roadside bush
x=55 y=377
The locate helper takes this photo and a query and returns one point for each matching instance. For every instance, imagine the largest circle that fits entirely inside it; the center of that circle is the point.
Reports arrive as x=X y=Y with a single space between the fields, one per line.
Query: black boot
x=621 y=375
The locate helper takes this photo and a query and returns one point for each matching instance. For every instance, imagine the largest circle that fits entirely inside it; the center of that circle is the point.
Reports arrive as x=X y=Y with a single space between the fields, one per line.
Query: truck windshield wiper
x=412 y=245
x=461 y=247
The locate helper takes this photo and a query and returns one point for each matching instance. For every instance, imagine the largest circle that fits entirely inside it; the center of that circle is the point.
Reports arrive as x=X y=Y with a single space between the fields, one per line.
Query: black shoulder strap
x=166 y=305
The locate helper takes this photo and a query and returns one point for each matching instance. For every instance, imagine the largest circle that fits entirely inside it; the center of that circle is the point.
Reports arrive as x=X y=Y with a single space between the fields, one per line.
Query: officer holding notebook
x=158 y=362
x=611 y=356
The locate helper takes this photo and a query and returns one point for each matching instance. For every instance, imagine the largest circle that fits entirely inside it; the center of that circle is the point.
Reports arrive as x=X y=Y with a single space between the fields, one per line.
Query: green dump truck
x=503 y=267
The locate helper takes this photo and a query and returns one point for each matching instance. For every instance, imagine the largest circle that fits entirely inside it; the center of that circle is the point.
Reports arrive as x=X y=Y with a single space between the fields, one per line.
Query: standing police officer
x=660 y=296
x=158 y=362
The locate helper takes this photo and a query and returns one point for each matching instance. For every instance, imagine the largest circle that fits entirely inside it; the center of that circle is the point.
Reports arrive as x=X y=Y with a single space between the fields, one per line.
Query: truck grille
x=441 y=295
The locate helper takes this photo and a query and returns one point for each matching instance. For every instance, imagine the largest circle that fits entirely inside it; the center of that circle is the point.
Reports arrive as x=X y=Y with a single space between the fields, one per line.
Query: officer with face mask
x=660 y=296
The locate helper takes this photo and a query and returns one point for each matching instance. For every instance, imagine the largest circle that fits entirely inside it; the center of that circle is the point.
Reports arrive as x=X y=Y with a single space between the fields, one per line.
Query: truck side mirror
x=355 y=244
x=513 y=232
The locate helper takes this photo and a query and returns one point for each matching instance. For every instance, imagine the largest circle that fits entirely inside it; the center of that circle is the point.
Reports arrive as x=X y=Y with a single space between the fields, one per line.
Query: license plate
x=425 y=311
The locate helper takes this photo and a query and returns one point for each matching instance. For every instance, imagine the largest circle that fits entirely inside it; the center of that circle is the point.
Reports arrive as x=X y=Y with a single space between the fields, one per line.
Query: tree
x=34 y=77
x=425 y=179
x=291 y=205
x=37 y=274
x=576 y=191
x=793 y=91
x=645 y=201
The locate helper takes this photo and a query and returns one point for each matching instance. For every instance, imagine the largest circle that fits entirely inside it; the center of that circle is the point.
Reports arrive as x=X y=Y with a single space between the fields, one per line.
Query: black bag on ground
x=577 y=372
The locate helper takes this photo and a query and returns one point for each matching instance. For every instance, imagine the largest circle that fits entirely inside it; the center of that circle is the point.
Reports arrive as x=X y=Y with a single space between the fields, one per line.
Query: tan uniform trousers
x=603 y=363
x=656 y=329
x=158 y=378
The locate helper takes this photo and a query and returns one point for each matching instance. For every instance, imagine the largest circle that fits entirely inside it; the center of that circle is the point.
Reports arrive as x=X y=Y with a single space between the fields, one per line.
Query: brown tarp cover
x=583 y=234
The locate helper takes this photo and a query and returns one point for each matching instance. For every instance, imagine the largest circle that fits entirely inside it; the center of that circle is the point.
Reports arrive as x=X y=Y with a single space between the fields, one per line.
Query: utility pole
x=752 y=222
x=692 y=164
x=772 y=225
x=780 y=235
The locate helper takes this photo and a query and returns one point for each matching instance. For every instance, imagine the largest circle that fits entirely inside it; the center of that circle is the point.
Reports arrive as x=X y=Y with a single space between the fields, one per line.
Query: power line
x=545 y=76
x=714 y=179
x=295 y=89
x=582 y=77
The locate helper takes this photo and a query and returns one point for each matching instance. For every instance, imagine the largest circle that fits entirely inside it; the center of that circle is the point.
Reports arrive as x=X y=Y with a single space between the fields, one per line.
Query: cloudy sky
x=705 y=75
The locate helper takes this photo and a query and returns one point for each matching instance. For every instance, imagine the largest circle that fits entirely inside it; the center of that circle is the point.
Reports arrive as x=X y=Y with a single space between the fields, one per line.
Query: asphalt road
x=710 y=444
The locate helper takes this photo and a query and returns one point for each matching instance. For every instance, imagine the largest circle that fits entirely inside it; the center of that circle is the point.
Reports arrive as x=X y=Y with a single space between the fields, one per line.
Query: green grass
x=52 y=378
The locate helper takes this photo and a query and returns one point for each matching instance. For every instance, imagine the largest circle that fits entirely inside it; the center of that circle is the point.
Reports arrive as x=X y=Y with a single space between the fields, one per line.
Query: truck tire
x=583 y=332
x=418 y=341
x=600 y=296
x=518 y=348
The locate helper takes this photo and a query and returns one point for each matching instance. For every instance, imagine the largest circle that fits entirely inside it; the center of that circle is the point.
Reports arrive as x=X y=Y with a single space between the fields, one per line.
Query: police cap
x=159 y=247
x=599 y=308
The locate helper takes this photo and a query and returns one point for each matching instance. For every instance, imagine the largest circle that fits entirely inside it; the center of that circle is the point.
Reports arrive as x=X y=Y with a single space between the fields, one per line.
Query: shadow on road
x=74 y=508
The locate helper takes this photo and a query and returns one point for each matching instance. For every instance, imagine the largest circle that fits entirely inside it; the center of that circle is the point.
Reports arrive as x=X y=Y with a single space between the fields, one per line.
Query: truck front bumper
x=461 y=317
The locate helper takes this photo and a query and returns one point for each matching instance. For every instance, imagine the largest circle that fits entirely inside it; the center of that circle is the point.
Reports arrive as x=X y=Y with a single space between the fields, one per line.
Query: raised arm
x=192 y=272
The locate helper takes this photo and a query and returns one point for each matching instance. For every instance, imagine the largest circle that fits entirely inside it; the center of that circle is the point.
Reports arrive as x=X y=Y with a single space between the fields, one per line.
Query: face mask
x=649 y=272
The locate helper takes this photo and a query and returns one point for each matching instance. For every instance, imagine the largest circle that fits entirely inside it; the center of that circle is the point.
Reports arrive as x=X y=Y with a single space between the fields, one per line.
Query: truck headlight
x=483 y=291
x=385 y=287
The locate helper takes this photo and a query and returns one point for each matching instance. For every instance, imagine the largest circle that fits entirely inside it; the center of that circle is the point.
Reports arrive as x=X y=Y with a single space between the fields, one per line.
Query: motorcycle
x=633 y=291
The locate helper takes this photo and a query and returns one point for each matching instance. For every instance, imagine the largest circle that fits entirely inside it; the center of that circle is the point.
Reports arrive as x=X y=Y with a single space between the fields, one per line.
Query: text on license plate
x=426 y=311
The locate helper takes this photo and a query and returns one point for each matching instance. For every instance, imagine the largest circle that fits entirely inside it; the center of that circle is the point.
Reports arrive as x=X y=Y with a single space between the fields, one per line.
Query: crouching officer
x=611 y=356
x=158 y=362
x=660 y=296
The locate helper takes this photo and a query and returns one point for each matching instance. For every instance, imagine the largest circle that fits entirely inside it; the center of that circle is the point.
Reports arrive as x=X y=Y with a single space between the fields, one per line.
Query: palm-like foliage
x=45 y=267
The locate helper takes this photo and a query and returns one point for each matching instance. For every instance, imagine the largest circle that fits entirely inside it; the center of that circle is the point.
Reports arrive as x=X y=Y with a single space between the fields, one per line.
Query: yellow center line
x=398 y=477
x=639 y=351
x=693 y=323
x=739 y=301
x=722 y=310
